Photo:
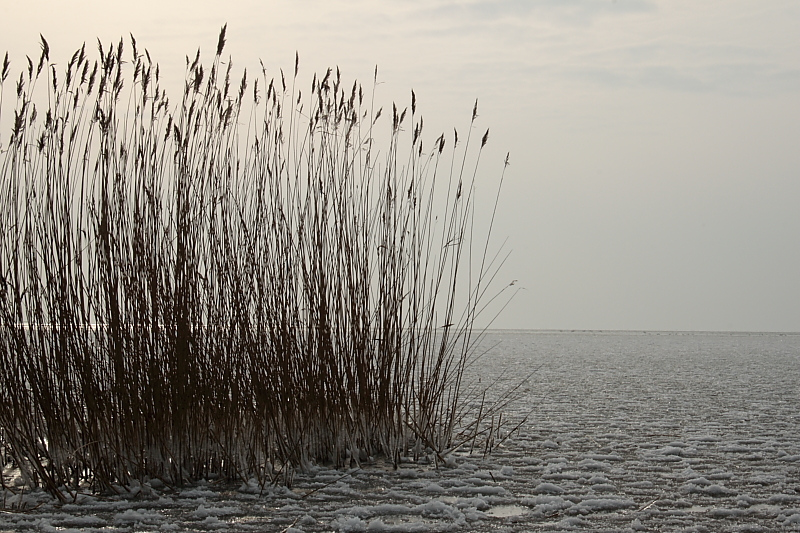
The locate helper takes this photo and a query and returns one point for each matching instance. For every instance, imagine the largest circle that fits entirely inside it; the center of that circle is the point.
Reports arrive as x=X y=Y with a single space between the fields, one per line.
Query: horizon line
x=646 y=331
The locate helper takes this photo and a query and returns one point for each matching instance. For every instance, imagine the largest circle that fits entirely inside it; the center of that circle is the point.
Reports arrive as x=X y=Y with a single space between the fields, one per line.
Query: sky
x=654 y=175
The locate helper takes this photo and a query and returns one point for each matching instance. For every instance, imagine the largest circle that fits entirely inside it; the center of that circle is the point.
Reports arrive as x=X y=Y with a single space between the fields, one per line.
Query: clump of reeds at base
x=235 y=286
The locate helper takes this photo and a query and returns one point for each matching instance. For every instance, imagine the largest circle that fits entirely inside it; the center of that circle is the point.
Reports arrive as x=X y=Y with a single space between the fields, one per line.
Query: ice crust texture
x=628 y=432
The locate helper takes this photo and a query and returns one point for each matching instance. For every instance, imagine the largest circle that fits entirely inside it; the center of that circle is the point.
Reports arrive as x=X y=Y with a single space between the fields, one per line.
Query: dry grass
x=237 y=285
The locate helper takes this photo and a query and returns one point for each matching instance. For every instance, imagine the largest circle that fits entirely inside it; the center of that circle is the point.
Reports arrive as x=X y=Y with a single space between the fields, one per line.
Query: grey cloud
x=579 y=12
x=732 y=79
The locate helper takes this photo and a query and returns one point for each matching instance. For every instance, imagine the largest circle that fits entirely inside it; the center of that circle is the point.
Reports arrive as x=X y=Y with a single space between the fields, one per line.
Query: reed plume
x=237 y=285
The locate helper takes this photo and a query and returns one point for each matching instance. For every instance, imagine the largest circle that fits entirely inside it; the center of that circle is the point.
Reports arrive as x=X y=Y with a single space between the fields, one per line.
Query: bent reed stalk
x=236 y=288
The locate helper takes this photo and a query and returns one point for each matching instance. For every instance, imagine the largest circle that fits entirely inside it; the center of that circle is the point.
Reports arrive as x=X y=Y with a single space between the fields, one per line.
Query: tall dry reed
x=236 y=285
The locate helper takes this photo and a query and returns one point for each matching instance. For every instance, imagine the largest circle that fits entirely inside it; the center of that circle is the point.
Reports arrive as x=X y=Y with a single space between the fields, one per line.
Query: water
x=693 y=382
x=624 y=431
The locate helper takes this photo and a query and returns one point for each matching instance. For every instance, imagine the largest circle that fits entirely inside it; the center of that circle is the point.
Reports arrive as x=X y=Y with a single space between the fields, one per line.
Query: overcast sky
x=655 y=145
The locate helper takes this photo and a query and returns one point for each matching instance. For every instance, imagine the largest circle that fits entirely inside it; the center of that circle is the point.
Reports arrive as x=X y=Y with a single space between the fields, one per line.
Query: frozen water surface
x=627 y=432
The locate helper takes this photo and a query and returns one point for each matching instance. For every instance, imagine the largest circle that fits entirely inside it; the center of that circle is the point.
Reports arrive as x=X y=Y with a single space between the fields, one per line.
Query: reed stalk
x=236 y=285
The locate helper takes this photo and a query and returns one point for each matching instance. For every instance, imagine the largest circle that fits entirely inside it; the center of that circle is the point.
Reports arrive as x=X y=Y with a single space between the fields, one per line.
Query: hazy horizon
x=654 y=146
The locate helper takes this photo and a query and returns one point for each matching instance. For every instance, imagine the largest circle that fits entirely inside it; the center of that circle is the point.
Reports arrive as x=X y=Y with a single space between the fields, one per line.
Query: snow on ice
x=628 y=432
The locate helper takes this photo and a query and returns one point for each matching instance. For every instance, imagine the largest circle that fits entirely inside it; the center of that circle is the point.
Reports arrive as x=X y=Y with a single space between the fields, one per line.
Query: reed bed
x=235 y=286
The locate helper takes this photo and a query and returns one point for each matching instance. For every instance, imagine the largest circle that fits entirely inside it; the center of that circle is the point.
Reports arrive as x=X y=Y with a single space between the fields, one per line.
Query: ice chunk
x=548 y=488
x=793 y=519
x=132 y=516
x=349 y=524
x=603 y=504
